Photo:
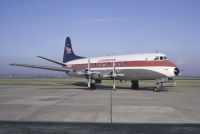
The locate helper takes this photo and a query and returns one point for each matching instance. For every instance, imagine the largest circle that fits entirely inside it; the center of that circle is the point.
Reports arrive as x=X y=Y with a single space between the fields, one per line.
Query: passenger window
x=165 y=57
x=161 y=58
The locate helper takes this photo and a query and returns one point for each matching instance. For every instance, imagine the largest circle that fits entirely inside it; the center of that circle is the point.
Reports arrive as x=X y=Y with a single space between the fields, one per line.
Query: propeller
x=88 y=73
x=113 y=75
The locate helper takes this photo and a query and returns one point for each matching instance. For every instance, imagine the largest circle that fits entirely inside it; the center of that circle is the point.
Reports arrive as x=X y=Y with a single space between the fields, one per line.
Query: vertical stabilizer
x=68 y=52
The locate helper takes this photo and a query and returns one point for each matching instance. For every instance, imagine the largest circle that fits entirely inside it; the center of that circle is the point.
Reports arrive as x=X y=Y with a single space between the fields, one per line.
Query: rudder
x=68 y=52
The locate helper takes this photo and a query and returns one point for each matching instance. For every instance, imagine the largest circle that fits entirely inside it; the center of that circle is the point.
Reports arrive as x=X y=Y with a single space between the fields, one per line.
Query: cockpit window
x=160 y=58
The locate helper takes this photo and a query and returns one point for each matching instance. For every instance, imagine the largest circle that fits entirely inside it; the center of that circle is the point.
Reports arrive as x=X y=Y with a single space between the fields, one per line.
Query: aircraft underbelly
x=141 y=74
x=134 y=74
x=129 y=74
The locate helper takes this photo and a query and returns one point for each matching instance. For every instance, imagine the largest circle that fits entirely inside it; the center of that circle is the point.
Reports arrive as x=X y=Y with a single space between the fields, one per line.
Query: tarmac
x=77 y=104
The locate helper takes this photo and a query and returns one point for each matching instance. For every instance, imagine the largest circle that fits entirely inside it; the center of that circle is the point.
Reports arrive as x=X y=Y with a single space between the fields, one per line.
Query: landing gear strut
x=158 y=87
x=135 y=84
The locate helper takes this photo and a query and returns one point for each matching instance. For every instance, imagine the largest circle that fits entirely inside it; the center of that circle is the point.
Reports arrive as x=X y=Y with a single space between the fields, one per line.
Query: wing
x=62 y=69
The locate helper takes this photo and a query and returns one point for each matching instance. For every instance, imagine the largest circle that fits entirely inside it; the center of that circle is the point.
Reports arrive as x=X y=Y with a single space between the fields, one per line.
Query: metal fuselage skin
x=134 y=67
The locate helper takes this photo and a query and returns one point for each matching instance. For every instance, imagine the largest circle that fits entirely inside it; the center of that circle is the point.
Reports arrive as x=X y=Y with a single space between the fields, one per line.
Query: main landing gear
x=159 y=84
x=93 y=85
x=135 y=84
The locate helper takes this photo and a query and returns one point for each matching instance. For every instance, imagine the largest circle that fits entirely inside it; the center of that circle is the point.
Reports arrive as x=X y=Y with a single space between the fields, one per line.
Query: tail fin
x=68 y=52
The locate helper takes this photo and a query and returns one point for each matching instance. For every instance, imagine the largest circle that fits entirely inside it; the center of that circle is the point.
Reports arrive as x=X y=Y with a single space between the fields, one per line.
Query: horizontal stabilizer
x=43 y=67
x=57 y=62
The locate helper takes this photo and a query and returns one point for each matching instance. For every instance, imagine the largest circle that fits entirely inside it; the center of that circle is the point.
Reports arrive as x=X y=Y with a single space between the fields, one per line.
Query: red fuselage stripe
x=163 y=63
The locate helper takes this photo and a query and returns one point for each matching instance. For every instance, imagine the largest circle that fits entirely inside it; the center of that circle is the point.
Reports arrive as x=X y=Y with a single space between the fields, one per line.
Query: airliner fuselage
x=149 y=66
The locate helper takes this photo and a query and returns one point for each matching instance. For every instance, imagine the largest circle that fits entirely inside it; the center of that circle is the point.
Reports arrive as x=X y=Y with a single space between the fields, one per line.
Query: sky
x=29 y=28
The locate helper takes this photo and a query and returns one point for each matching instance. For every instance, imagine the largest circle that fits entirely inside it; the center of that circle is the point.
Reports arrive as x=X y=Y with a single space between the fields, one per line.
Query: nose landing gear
x=159 y=84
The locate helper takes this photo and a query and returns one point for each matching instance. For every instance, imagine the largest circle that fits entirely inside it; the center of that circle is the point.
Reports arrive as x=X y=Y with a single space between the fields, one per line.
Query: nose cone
x=176 y=71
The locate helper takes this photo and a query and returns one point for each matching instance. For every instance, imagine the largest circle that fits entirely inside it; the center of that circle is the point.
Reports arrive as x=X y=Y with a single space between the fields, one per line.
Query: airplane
x=133 y=67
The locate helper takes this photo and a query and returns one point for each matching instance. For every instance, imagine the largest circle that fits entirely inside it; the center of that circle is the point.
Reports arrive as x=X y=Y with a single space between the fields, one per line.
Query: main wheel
x=93 y=86
x=135 y=84
x=158 y=87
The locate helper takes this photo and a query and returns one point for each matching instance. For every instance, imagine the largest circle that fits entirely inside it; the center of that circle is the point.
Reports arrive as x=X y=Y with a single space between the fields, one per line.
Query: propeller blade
x=89 y=82
x=120 y=75
x=89 y=74
x=114 y=66
x=113 y=74
x=114 y=85
x=81 y=73
x=88 y=64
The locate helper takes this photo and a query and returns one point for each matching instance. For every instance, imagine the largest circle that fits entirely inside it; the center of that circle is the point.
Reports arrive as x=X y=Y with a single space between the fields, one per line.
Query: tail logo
x=68 y=50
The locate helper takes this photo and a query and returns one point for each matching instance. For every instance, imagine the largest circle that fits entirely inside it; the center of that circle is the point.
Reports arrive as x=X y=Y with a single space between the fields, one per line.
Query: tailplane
x=68 y=52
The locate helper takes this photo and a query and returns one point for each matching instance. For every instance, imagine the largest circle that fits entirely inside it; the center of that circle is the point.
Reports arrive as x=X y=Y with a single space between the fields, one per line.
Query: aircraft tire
x=93 y=86
x=135 y=85
x=158 y=87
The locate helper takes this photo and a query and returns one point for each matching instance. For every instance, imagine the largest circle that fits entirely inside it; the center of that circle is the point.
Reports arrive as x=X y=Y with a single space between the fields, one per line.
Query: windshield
x=160 y=58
